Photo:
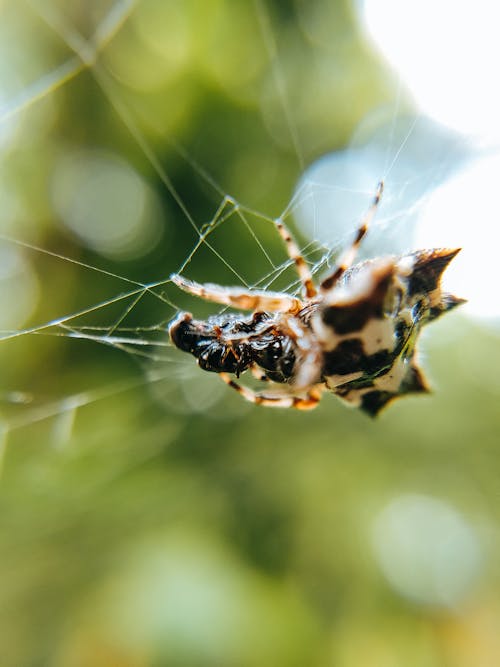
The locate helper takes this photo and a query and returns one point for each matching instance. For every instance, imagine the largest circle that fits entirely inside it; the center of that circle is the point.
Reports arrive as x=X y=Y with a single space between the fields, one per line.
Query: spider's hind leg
x=306 y=402
x=258 y=373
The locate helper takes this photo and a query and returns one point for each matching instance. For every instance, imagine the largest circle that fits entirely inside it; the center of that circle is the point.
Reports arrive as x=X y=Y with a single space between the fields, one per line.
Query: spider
x=353 y=335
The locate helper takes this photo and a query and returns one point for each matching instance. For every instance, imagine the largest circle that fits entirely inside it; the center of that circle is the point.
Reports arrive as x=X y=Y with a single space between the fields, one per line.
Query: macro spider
x=354 y=335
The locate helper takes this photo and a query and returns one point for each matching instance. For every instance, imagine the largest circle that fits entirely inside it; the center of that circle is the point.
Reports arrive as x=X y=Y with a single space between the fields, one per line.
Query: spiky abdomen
x=369 y=326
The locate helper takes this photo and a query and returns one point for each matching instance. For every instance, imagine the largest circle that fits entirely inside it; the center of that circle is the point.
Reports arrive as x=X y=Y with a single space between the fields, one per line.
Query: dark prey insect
x=354 y=335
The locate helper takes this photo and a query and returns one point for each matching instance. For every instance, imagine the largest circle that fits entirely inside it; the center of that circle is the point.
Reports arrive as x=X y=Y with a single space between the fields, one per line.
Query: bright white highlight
x=465 y=213
x=447 y=54
x=426 y=549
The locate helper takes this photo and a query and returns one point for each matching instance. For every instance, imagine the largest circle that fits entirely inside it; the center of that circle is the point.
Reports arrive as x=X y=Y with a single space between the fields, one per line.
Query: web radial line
x=126 y=119
x=127 y=310
x=150 y=328
x=403 y=144
x=218 y=218
x=395 y=110
x=148 y=152
x=76 y=43
x=116 y=340
x=271 y=48
x=87 y=50
x=88 y=57
x=103 y=34
x=267 y=279
x=198 y=168
x=202 y=240
x=242 y=217
x=299 y=197
x=237 y=207
x=112 y=22
x=123 y=345
x=41 y=88
x=79 y=401
x=67 y=318
x=73 y=40
x=30 y=246
x=144 y=287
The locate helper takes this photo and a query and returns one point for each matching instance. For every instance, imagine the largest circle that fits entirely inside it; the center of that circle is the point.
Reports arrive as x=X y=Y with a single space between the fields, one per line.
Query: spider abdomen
x=369 y=340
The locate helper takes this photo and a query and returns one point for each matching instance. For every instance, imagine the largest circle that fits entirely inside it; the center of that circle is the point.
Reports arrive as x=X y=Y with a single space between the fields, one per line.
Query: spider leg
x=308 y=401
x=241 y=298
x=294 y=253
x=347 y=258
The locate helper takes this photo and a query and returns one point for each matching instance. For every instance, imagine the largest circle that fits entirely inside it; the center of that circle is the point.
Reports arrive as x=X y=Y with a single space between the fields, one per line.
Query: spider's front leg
x=294 y=253
x=308 y=401
x=237 y=297
x=346 y=259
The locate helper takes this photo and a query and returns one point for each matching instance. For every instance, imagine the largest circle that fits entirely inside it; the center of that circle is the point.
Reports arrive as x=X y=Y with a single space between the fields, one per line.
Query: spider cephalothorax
x=355 y=336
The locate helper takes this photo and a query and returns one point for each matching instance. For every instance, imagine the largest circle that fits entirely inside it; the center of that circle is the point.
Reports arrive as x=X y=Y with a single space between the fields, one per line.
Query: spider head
x=185 y=333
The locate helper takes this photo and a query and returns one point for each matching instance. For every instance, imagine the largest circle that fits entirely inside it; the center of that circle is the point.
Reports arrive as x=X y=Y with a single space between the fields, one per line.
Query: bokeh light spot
x=102 y=200
x=462 y=213
x=426 y=549
x=19 y=289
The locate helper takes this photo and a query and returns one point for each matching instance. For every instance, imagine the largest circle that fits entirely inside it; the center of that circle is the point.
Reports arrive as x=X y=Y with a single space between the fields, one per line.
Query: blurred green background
x=148 y=517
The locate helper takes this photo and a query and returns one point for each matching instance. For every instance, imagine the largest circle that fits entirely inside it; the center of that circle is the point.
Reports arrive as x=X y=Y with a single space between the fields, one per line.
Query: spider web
x=220 y=237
